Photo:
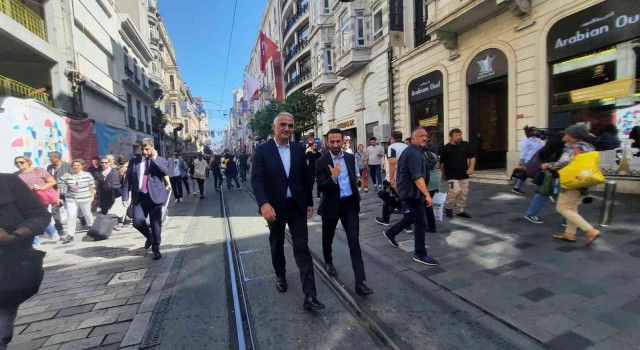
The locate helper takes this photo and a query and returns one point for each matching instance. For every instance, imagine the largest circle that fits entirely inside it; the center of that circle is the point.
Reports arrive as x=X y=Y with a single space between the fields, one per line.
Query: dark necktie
x=145 y=176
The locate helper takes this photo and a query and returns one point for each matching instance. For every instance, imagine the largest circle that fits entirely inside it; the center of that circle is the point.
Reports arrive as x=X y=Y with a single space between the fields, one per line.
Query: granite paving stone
x=81 y=344
x=110 y=329
x=537 y=294
x=569 y=340
x=75 y=310
x=67 y=337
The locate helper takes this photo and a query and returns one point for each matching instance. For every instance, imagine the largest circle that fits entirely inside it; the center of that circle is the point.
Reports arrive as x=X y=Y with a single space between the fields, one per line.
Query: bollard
x=607 y=204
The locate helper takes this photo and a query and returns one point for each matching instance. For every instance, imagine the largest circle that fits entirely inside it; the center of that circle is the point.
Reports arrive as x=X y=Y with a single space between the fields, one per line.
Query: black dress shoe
x=147 y=243
x=157 y=256
x=67 y=239
x=312 y=304
x=449 y=212
x=363 y=289
x=331 y=270
x=464 y=215
x=281 y=284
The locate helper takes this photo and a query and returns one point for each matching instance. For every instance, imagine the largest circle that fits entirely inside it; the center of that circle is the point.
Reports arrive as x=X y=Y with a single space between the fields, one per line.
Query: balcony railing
x=294 y=18
x=128 y=72
x=420 y=33
x=148 y=129
x=25 y=16
x=295 y=50
x=140 y=125
x=303 y=76
x=10 y=87
x=132 y=122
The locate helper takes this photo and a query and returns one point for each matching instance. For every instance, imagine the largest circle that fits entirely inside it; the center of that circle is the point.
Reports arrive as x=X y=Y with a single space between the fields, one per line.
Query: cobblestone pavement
x=100 y=294
x=564 y=295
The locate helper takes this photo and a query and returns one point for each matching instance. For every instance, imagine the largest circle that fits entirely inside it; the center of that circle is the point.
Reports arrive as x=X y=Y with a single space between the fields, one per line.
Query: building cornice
x=130 y=35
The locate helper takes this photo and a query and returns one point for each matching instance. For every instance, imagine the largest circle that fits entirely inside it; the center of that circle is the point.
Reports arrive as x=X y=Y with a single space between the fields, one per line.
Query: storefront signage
x=396 y=23
x=347 y=124
x=601 y=25
x=432 y=121
x=616 y=88
x=488 y=64
x=426 y=86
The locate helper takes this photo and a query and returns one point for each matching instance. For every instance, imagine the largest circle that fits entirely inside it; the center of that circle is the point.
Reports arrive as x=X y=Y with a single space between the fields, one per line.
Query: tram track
x=376 y=329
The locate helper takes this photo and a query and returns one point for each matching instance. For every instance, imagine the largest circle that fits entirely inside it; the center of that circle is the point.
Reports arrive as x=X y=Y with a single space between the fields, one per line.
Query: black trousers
x=243 y=172
x=200 y=186
x=217 y=179
x=185 y=180
x=146 y=207
x=106 y=201
x=176 y=186
x=348 y=216
x=300 y=235
x=417 y=216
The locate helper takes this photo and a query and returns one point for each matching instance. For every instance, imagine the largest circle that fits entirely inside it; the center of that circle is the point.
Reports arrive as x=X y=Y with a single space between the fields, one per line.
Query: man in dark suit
x=281 y=184
x=336 y=173
x=145 y=180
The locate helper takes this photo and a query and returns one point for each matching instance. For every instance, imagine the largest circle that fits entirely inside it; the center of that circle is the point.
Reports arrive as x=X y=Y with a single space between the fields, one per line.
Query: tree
x=263 y=120
x=305 y=107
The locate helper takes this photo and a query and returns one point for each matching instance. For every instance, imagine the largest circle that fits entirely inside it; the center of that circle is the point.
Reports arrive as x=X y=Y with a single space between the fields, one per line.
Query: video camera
x=543 y=133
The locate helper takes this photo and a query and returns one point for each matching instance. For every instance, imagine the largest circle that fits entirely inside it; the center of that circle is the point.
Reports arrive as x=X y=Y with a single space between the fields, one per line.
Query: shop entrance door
x=488 y=119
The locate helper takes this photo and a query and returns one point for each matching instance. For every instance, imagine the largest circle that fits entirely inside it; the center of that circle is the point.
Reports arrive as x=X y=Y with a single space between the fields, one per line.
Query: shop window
x=429 y=114
x=377 y=25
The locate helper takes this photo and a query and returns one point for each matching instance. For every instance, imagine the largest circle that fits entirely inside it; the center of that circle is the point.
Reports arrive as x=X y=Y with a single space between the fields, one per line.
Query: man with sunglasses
x=280 y=181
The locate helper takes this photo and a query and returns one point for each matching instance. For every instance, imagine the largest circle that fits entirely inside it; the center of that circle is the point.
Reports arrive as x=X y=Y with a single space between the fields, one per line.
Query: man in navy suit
x=145 y=181
x=337 y=175
x=280 y=181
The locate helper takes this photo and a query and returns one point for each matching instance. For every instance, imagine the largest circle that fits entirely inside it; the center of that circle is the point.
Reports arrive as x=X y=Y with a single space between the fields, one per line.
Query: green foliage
x=305 y=108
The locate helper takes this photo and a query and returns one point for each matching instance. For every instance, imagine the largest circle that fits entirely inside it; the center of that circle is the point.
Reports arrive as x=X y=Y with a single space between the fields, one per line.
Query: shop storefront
x=594 y=67
x=426 y=105
x=488 y=108
x=350 y=130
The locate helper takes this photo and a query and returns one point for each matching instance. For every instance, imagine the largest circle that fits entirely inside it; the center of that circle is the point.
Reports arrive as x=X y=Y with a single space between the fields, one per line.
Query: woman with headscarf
x=570 y=199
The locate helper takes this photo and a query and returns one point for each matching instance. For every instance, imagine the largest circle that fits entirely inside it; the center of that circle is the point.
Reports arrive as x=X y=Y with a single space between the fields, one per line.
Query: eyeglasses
x=105 y=162
x=19 y=163
x=282 y=125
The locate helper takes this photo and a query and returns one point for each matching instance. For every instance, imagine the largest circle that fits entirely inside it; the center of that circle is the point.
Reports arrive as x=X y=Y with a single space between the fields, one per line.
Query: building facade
x=350 y=64
x=491 y=68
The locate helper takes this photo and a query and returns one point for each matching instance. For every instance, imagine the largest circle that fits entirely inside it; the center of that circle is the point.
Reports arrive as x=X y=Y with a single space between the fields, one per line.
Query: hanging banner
x=119 y=142
x=30 y=130
x=396 y=23
x=83 y=144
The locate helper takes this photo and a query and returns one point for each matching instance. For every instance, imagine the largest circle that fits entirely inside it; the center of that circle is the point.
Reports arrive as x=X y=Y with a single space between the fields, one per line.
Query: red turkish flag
x=267 y=49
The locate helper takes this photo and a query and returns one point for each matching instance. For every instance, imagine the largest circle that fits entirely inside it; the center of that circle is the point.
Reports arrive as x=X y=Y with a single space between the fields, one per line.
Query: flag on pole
x=267 y=49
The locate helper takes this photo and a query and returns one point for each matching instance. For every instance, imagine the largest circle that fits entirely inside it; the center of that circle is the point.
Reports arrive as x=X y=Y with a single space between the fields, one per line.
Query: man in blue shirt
x=336 y=174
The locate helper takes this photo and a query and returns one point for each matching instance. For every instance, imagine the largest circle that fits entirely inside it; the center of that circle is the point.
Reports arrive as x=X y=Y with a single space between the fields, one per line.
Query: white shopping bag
x=438 y=205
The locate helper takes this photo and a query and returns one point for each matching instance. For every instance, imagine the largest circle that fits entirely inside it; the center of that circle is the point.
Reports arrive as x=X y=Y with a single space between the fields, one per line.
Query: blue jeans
x=374 y=172
x=536 y=204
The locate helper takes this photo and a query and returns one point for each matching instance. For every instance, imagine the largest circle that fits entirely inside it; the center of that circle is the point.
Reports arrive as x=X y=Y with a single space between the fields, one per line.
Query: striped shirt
x=79 y=186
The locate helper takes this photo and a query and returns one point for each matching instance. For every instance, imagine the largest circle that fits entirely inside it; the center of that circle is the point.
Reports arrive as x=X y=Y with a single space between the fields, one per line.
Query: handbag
x=48 y=196
x=519 y=173
x=439 y=198
x=546 y=188
x=582 y=171
x=21 y=275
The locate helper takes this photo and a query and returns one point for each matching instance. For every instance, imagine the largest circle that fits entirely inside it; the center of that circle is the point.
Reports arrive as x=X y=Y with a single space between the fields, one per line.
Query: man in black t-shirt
x=312 y=156
x=457 y=162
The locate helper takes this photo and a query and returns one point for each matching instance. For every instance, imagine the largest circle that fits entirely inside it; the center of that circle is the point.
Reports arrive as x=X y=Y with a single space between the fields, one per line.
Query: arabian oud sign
x=347 y=124
x=601 y=25
x=487 y=65
x=426 y=86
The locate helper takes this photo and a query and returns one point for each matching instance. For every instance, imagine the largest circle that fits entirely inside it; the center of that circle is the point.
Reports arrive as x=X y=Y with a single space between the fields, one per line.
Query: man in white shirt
x=528 y=147
x=177 y=169
x=200 y=173
x=396 y=146
x=375 y=152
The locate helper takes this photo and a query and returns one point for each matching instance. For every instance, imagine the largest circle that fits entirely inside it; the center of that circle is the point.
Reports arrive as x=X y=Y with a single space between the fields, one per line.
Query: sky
x=200 y=32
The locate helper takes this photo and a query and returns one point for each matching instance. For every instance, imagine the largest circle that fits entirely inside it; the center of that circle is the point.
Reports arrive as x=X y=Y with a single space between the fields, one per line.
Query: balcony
x=10 y=87
x=140 y=126
x=296 y=49
x=26 y=17
x=293 y=19
x=324 y=81
x=148 y=131
x=302 y=77
x=132 y=123
x=353 y=59
x=135 y=83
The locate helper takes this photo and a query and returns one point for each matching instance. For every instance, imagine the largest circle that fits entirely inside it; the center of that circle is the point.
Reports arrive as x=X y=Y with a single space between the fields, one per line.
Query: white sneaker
x=54 y=237
x=177 y=200
x=181 y=200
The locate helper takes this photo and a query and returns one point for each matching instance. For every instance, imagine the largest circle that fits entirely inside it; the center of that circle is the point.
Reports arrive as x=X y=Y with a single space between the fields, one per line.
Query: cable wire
x=226 y=66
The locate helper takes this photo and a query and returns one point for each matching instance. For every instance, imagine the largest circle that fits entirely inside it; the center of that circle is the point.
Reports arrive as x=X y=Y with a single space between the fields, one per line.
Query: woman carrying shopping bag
x=570 y=198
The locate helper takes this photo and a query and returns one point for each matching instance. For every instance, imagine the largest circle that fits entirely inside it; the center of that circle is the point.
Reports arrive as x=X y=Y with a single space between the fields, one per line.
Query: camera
x=543 y=133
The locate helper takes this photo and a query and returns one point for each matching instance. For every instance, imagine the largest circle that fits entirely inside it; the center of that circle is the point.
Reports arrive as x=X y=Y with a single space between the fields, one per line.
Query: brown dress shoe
x=569 y=237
